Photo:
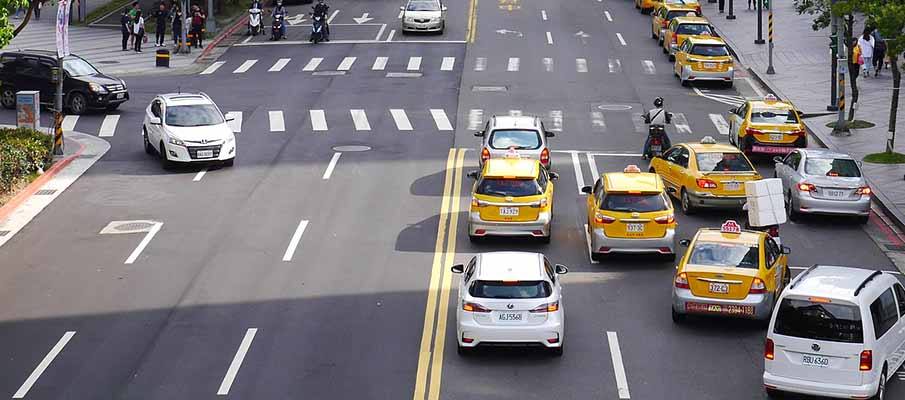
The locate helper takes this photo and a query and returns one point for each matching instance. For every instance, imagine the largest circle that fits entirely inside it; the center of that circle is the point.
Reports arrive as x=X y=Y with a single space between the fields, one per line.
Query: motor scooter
x=658 y=141
x=317 y=28
x=276 y=28
x=254 y=21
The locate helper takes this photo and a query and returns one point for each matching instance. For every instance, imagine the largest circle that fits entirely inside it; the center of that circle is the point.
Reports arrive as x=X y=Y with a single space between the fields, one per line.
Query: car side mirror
x=562 y=269
x=458 y=268
x=554 y=176
x=586 y=189
x=685 y=242
x=671 y=190
x=549 y=134
x=777 y=159
x=155 y=121
x=402 y=8
x=786 y=250
x=443 y=8
x=473 y=175
x=479 y=134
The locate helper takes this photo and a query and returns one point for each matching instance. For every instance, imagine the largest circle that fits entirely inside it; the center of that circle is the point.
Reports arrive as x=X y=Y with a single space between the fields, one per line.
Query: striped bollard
x=58 y=134
x=770 y=70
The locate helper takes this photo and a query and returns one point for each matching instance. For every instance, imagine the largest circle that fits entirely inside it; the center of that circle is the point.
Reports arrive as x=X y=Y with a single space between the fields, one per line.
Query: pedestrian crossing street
x=420 y=64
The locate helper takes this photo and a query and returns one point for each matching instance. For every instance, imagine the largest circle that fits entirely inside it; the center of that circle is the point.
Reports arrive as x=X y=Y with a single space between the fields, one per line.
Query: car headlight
x=122 y=82
x=97 y=88
x=175 y=141
x=409 y=19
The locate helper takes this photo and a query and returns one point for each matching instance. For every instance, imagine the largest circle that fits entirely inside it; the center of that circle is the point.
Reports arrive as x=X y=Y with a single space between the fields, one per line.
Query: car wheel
x=557 y=351
x=8 y=98
x=774 y=394
x=881 y=388
x=442 y=27
x=463 y=351
x=144 y=137
x=677 y=318
x=672 y=58
x=653 y=34
x=597 y=257
x=732 y=134
x=78 y=103
x=728 y=84
x=687 y=207
x=165 y=162
x=474 y=239
x=790 y=211
x=669 y=257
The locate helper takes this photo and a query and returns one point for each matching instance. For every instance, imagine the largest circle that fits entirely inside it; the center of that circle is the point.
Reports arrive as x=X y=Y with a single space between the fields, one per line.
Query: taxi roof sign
x=632 y=169
x=708 y=140
x=770 y=97
x=691 y=14
x=730 y=226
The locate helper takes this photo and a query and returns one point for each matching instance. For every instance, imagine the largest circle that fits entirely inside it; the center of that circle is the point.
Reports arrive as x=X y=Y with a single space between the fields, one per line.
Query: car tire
x=463 y=351
x=474 y=239
x=144 y=138
x=442 y=28
x=790 y=211
x=773 y=394
x=557 y=351
x=687 y=207
x=677 y=318
x=862 y=219
x=653 y=34
x=598 y=257
x=672 y=57
x=165 y=162
x=728 y=85
x=8 y=98
x=669 y=257
x=881 y=388
x=230 y=162
x=78 y=103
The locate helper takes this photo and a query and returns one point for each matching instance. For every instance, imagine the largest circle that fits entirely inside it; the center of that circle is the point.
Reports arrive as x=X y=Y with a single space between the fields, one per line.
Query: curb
x=223 y=35
x=33 y=187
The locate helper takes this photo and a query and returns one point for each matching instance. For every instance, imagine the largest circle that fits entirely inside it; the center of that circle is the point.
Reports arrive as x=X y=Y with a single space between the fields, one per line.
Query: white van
x=836 y=332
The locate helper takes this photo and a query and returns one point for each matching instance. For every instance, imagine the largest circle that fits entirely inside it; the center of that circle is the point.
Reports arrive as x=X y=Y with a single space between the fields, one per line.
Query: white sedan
x=187 y=128
x=423 y=16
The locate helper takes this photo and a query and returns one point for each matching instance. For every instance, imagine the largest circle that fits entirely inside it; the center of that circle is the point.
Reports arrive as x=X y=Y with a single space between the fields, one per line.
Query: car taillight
x=655 y=142
x=675 y=37
x=698 y=10
x=797 y=133
x=706 y=184
x=757 y=287
x=549 y=307
x=485 y=154
x=682 y=281
x=864 y=190
x=666 y=219
x=807 y=187
x=867 y=360
x=768 y=350
x=773 y=231
x=663 y=23
x=545 y=156
x=752 y=131
x=474 y=307
x=603 y=219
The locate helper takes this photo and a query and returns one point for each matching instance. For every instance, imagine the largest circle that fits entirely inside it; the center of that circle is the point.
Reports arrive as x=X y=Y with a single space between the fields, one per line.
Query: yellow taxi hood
x=511 y=168
x=633 y=182
x=681 y=7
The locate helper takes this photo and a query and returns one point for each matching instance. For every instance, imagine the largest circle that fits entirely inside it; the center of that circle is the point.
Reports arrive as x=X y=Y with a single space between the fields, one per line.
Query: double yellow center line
x=430 y=357
x=471 y=31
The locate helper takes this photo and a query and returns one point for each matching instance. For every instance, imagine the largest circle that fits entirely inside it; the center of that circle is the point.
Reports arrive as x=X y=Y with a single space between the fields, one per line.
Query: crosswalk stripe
x=236 y=123
x=448 y=63
x=648 y=67
x=380 y=63
x=597 y=121
x=441 y=120
x=480 y=63
x=615 y=65
x=69 y=122
x=414 y=64
x=475 y=119
x=548 y=64
x=346 y=64
x=245 y=66
x=360 y=119
x=581 y=65
x=276 y=121
x=720 y=123
x=279 y=65
x=515 y=113
x=402 y=120
x=681 y=123
x=213 y=68
x=312 y=64
x=108 y=127
x=318 y=120
x=513 y=64
x=556 y=117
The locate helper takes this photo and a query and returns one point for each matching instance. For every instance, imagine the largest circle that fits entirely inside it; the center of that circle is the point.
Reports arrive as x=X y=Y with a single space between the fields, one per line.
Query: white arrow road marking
x=414 y=64
x=69 y=122
x=587 y=237
x=328 y=172
x=402 y=120
x=597 y=121
x=720 y=123
x=615 y=65
x=330 y=20
x=581 y=65
x=212 y=68
x=318 y=120
x=618 y=367
x=556 y=117
x=380 y=63
x=279 y=65
x=579 y=176
x=608 y=17
x=237 y=362
x=681 y=123
x=346 y=64
x=199 y=175
x=360 y=119
x=507 y=31
x=441 y=120
x=144 y=242
x=108 y=127
x=480 y=63
x=245 y=66
x=30 y=381
x=549 y=38
x=621 y=39
x=236 y=123
x=582 y=35
x=648 y=67
x=548 y=64
x=513 y=64
x=276 y=121
x=296 y=19
x=312 y=64
x=543 y=14
x=360 y=20
x=475 y=119
x=448 y=63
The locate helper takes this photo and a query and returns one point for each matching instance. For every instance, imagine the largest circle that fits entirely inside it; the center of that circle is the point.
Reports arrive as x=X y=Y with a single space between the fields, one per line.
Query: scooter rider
x=657 y=117
x=255 y=5
x=280 y=9
x=321 y=9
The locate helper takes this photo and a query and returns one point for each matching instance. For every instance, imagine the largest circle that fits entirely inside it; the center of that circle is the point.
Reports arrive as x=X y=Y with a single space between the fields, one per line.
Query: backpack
x=196 y=20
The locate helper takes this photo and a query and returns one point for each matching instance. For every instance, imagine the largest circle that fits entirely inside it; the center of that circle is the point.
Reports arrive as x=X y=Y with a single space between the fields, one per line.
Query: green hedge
x=22 y=152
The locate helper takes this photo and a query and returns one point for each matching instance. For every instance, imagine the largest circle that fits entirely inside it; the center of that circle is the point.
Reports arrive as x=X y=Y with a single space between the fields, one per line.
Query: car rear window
x=515 y=138
x=694 y=29
x=725 y=254
x=633 y=202
x=510 y=290
x=842 y=167
x=775 y=117
x=672 y=14
x=503 y=187
x=723 y=162
x=819 y=321
x=709 y=50
x=193 y=115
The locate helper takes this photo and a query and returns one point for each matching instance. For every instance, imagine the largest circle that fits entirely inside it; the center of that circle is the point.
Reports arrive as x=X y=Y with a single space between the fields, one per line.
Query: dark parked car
x=84 y=87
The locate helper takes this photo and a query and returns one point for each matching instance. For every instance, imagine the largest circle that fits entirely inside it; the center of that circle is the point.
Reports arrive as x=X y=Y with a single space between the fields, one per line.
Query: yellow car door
x=737 y=117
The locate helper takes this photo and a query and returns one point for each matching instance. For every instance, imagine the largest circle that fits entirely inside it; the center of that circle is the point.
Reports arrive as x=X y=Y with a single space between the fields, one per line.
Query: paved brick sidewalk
x=801 y=59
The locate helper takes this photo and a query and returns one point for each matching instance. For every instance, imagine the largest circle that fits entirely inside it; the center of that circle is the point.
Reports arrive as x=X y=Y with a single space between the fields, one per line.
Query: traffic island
x=885 y=158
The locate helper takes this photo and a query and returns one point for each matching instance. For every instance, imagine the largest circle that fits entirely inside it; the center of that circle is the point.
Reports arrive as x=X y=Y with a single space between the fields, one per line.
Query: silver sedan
x=423 y=16
x=819 y=181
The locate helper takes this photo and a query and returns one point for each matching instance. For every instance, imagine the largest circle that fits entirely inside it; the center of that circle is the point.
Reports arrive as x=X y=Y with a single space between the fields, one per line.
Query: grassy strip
x=885 y=158
x=23 y=152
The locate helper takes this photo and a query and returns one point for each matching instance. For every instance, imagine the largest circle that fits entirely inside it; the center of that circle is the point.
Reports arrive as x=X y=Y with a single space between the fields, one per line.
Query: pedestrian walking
x=177 y=25
x=750 y=5
x=38 y=10
x=866 y=43
x=138 y=30
x=162 y=17
x=125 y=26
x=879 y=51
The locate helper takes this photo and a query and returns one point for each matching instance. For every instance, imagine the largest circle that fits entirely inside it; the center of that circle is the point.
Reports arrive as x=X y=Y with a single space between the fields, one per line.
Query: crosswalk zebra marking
x=276 y=121
x=245 y=66
x=648 y=67
x=380 y=63
x=480 y=64
x=236 y=123
x=108 y=127
x=212 y=68
x=69 y=122
x=402 y=120
x=475 y=119
x=346 y=64
x=720 y=123
x=312 y=64
x=597 y=121
x=556 y=117
x=318 y=120
x=441 y=120
x=681 y=123
x=615 y=66
x=581 y=65
x=448 y=63
x=548 y=64
x=279 y=65
x=414 y=64
x=360 y=119
x=513 y=64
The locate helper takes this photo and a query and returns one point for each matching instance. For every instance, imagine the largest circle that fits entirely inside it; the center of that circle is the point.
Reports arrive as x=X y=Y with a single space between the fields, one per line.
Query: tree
x=7 y=31
x=889 y=18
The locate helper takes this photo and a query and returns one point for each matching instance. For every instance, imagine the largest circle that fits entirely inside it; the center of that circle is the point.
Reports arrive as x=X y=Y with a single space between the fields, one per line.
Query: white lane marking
x=549 y=38
x=548 y=64
x=212 y=68
x=515 y=113
x=69 y=122
x=237 y=362
x=279 y=65
x=648 y=67
x=638 y=122
x=380 y=63
x=475 y=119
x=621 y=39
x=318 y=120
x=30 y=381
x=448 y=63
x=720 y=123
x=144 y=242
x=294 y=241
x=400 y=13
x=199 y=175
x=402 y=120
x=681 y=123
x=360 y=119
x=579 y=176
x=615 y=65
x=329 y=171
x=346 y=64
x=587 y=238
x=592 y=165
x=599 y=153
x=556 y=117
x=330 y=20
x=312 y=64
x=236 y=123
x=108 y=127
x=513 y=64
x=276 y=121
x=380 y=32
x=245 y=66
x=390 y=36
x=414 y=64
x=597 y=121
x=608 y=16
x=248 y=39
x=581 y=65
x=480 y=63
x=543 y=14
x=441 y=120
x=618 y=367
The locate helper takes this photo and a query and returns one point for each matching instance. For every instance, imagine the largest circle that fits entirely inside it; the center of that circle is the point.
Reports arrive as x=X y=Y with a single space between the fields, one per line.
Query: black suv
x=84 y=87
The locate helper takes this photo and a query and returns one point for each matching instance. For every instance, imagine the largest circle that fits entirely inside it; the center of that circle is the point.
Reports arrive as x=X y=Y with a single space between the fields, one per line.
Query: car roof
x=182 y=99
x=632 y=182
x=706 y=39
x=511 y=168
x=771 y=105
x=716 y=235
x=40 y=53
x=712 y=148
x=824 y=153
x=514 y=121
x=510 y=266
x=691 y=20
x=839 y=282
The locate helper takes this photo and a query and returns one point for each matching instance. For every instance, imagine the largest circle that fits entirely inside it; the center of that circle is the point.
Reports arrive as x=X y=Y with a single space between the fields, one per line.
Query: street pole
x=210 y=24
x=731 y=13
x=834 y=106
x=842 y=65
x=760 y=23
x=770 y=70
x=184 y=46
x=58 y=110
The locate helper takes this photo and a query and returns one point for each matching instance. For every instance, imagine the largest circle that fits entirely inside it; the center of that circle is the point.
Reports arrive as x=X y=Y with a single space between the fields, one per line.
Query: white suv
x=187 y=128
x=837 y=332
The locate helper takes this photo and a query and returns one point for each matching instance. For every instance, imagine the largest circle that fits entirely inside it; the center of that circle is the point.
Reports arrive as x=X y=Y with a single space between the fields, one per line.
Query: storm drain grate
x=403 y=75
x=45 y=192
x=4 y=233
x=133 y=227
x=895 y=247
x=328 y=73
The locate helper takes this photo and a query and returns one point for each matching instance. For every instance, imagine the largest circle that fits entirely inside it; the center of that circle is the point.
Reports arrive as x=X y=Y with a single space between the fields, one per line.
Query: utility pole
x=62 y=39
x=760 y=22
x=842 y=62
x=210 y=24
x=184 y=46
x=834 y=37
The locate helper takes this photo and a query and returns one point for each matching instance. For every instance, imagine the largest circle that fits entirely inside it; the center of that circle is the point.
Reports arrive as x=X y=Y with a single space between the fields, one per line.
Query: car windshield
x=819 y=321
x=510 y=290
x=519 y=139
x=633 y=202
x=842 y=167
x=723 y=162
x=502 y=187
x=78 y=67
x=774 y=117
x=193 y=115
x=725 y=254
x=423 y=6
x=709 y=50
x=694 y=29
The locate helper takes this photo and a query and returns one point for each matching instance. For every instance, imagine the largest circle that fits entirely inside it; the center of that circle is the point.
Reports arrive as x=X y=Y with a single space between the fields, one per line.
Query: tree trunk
x=894 y=104
x=31 y=8
x=854 y=69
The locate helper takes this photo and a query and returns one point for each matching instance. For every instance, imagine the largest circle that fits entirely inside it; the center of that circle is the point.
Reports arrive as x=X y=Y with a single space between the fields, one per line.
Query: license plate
x=205 y=153
x=732 y=186
x=776 y=136
x=834 y=193
x=719 y=288
x=120 y=95
x=729 y=309
x=634 y=228
x=655 y=147
x=815 y=361
x=510 y=317
x=772 y=150
x=709 y=65
x=509 y=211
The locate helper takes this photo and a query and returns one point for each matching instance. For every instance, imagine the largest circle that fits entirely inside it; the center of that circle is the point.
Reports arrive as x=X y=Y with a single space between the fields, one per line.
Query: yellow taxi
x=767 y=126
x=511 y=196
x=665 y=13
x=646 y=6
x=704 y=58
x=729 y=271
x=705 y=174
x=629 y=212
x=681 y=28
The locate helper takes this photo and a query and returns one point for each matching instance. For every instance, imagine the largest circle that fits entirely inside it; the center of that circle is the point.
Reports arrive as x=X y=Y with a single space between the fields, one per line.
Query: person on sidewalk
x=198 y=18
x=177 y=26
x=132 y=11
x=138 y=29
x=38 y=10
x=879 y=51
x=125 y=26
x=162 y=16
x=866 y=43
x=856 y=61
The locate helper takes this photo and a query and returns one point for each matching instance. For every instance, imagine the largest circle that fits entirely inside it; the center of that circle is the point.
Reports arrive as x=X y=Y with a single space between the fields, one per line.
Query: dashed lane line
x=475 y=119
x=245 y=66
x=330 y=20
x=360 y=120
x=597 y=121
x=513 y=64
x=581 y=65
x=556 y=117
x=548 y=64
x=294 y=241
x=69 y=122
x=234 y=366
x=480 y=64
x=346 y=64
x=279 y=65
x=648 y=67
x=720 y=123
x=621 y=39
x=549 y=38
x=615 y=66
x=199 y=175
x=401 y=119
x=108 y=127
x=608 y=16
x=213 y=68
x=318 y=120
x=312 y=64
x=681 y=123
x=618 y=367
x=543 y=14
x=36 y=373
x=277 y=124
x=390 y=35
x=414 y=64
x=329 y=171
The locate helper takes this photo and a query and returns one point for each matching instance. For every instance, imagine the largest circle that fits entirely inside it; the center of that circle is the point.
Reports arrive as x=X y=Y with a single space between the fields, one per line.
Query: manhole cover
x=133 y=226
x=351 y=148
x=614 y=107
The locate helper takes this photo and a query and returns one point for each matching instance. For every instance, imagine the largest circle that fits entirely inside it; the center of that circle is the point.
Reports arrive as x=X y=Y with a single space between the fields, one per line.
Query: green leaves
x=6 y=27
x=22 y=152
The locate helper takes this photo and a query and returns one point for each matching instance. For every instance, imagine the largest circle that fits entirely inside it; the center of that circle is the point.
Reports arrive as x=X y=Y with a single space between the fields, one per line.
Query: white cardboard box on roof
x=766 y=217
x=766 y=205
x=763 y=187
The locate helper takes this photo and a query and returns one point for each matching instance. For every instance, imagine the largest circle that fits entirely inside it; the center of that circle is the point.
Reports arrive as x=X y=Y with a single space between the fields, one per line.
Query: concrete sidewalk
x=801 y=59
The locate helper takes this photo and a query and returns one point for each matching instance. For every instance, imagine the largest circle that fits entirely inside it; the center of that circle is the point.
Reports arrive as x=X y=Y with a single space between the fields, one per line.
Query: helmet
x=279 y=3
x=658 y=102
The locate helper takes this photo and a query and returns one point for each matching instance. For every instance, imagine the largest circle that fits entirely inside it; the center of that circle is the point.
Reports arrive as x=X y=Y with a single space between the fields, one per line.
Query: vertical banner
x=63 y=28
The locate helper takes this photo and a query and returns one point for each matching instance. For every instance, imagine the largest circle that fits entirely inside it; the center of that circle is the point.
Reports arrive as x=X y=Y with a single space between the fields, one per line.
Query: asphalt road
x=360 y=305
